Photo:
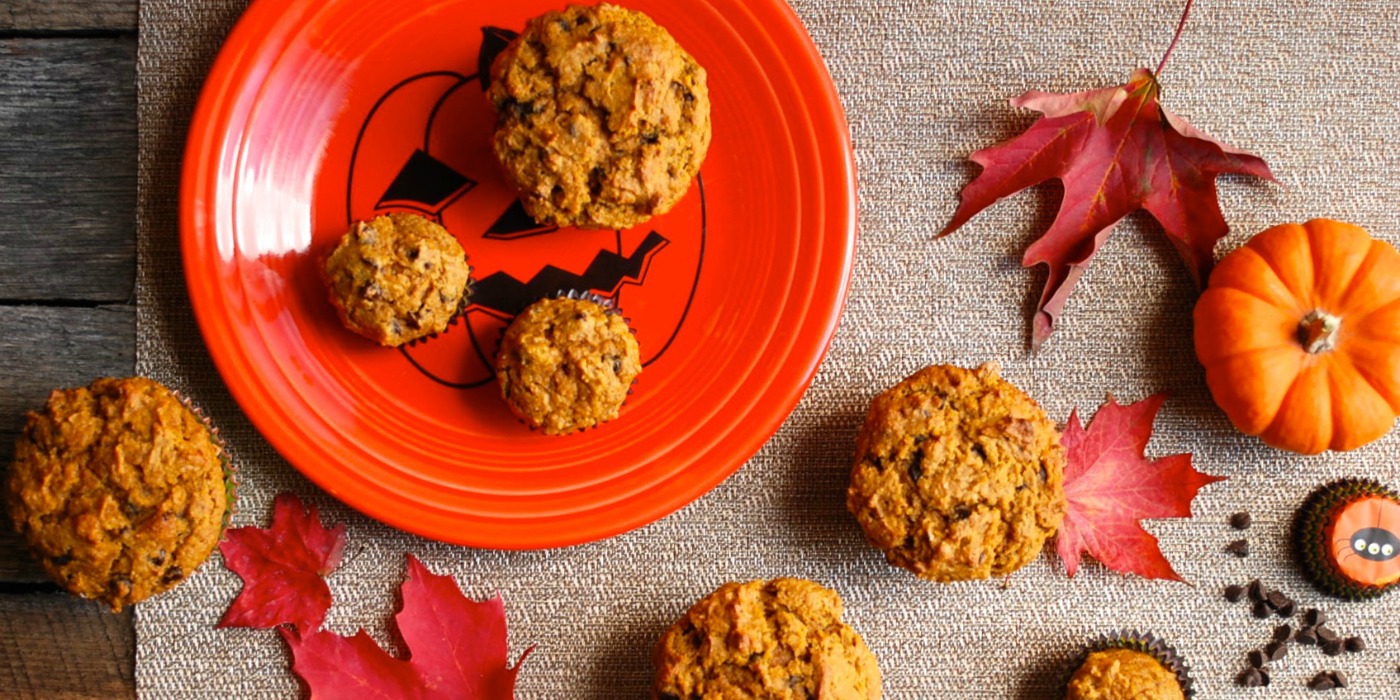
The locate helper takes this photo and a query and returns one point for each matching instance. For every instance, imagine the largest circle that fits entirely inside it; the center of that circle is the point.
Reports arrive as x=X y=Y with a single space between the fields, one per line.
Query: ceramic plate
x=320 y=113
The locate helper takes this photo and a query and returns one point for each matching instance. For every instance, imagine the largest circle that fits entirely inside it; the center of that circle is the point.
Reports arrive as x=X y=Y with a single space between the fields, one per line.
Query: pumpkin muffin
x=567 y=364
x=120 y=489
x=958 y=475
x=1346 y=537
x=602 y=119
x=397 y=278
x=775 y=640
x=1130 y=667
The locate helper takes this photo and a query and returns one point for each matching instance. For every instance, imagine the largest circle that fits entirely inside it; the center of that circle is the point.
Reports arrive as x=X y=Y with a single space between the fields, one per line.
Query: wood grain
x=45 y=348
x=68 y=15
x=68 y=169
x=55 y=646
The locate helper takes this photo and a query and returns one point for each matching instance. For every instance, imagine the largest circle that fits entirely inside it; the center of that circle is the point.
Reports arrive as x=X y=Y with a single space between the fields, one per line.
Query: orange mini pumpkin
x=1299 y=332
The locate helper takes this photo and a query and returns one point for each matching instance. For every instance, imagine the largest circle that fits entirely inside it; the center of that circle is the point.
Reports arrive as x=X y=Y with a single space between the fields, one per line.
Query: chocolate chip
x=1355 y=644
x=1262 y=610
x=1322 y=681
x=1234 y=594
x=1286 y=610
x=1312 y=617
x=1278 y=601
x=1240 y=521
x=1255 y=590
x=1283 y=633
x=1239 y=548
x=1338 y=678
x=1333 y=648
x=1307 y=635
x=61 y=560
x=1263 y=677
x=1250 y=678
x=1325 y=635
x=1276 y=650
x=1257 y=658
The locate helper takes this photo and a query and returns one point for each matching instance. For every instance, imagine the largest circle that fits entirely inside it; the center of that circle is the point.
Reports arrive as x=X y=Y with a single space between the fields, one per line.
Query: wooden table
x=67 y=300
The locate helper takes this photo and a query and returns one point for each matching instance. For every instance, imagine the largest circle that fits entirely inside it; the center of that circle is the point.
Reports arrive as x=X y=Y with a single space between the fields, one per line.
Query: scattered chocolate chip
x=1250 y=678
x=1276 y=650
x=1322 y=681
x=1263 y=676
x=1257 y=659
x=1333 y=648
x=1338 y=678
x=1307 y=635
x=1262 y=609
x=1234 y=594
x=1283 y=633
x=1255 y=590
x=1326 y=635
x=1277 y=600
x=1286 y=610
x=1312 y=617
x=1355 y=644
x=1240 y=520
x=1239 y=548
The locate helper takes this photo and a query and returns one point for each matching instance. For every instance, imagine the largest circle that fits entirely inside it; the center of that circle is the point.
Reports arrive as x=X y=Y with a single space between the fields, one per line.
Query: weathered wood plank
x=54 y=646
x=68 y=15
x=68 y=169
x=41 y=349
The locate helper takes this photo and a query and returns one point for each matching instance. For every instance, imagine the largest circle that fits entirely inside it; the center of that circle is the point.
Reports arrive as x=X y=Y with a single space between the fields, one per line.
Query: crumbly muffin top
x=396 y=278
x=778 y=640
x=567 y=364
x=119 y=489
x=1123 y=674
x=603 y=119
x=958 y=475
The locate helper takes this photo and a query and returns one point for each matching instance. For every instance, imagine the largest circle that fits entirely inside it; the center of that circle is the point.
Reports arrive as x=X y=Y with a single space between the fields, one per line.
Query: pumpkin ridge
x=1303 y=297
x=1370 y=379
x=1299 y=384
x=1341 y=306
x=1362 y=319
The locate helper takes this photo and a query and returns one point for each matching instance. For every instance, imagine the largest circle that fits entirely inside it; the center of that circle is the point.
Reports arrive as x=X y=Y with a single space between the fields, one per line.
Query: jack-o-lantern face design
x=426 y=147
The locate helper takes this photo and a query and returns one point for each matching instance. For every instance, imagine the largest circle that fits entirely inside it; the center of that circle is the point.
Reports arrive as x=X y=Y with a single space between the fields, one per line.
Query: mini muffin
x=119 y=488
x=602 y=119
x=1346 y=536
x=775 y=640
x=396 y=278
x=958 y=475
x=1130 y=667
x=567 y=364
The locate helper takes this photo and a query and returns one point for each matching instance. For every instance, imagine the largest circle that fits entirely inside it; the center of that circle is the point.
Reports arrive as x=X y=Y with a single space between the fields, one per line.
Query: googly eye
x=1388 y=550
x=1359 y=545
x=1373 y=549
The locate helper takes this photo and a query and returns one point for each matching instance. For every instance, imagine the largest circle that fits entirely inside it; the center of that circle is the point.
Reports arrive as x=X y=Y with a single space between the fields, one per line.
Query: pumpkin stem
x=1318 y=331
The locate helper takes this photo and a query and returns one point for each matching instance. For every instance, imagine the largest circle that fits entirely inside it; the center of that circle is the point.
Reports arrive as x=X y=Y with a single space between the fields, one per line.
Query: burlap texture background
x=1309 y=86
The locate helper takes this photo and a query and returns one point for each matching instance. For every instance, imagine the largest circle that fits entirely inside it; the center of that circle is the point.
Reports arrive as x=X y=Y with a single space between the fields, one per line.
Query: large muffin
x=958 y=475
x=119 y=489
x=603 y=119
x=775 y=640
x=397 y=278
x=1124 y=674
x=567 y=364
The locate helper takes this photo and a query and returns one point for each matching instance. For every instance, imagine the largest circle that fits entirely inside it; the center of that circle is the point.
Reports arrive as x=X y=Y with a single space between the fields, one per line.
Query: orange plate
x=321 y=112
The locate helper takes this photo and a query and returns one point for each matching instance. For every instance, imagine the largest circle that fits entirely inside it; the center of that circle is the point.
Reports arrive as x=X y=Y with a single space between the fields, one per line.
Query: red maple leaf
x=457 y=649
x=1116 y=150
x=282 y=568
x=1111 y=485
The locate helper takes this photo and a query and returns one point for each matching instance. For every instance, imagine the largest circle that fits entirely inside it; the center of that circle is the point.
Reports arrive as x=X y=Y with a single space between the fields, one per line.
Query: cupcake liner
x=1144 y=642
x=610 y=308
x=225 y=462
x=1312 y=546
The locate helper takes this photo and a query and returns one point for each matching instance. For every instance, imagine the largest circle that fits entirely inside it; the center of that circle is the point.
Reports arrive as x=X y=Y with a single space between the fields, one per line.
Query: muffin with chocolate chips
x=397 y=278
x=119 y=488
x=1130 y=666
x=567 y=364
x=958 y=475
x=602 y=119
x=778 y=640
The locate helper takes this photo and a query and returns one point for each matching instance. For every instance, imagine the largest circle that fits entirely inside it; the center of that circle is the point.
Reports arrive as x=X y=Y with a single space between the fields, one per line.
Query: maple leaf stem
x=1179 y=26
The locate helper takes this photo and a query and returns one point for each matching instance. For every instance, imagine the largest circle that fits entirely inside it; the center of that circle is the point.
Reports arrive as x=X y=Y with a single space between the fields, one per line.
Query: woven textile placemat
x=1308 y=86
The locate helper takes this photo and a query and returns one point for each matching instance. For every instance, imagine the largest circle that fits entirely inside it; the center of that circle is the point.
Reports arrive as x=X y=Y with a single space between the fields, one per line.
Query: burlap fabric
x=1308 y=86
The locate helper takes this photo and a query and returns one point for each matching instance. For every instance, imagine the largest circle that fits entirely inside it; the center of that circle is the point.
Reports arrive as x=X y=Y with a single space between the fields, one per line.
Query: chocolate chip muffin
x=775 y=640
x=567 y=364
x=397 y=278
x=958 y=475
x=119 y=488
x=603 y=119
x=1130 y=666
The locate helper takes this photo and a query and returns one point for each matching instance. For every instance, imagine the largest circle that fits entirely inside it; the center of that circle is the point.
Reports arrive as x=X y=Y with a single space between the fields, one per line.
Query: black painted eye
x=1375 y=544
